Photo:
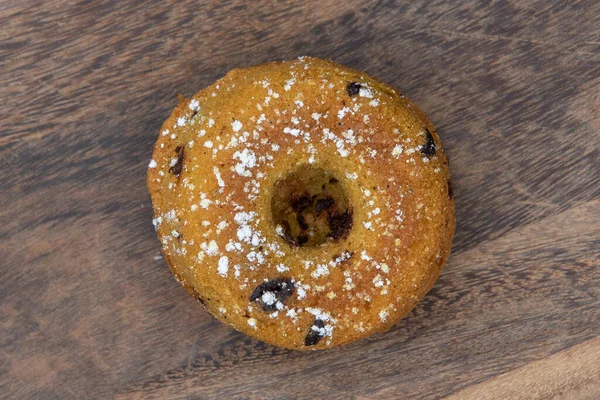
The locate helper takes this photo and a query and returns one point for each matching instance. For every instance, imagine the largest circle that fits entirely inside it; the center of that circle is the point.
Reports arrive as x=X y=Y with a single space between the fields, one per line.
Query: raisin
x=340 y=224
x=281 y=288
x=315 y=333
x=324 y=204
x=428 y=148
x=450 y=189
x=300 y=203
x=353 y=88
x=302 y=222
x=178 y=167
x=301 y=240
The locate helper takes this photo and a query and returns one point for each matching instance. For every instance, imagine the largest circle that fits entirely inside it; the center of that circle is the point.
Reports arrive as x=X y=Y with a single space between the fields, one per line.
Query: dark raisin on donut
x=429 y=148
x=301 y=202
x=280 y=288
x=353 y=88
x=178 y=167
x=302 y=222
x=340 y=224
x=323 y=204
x=450 y=189
x=302 y=239
x=315 y=333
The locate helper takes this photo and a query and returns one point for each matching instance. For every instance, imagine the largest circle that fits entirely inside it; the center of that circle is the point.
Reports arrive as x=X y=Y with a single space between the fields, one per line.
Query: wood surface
x=88 y=307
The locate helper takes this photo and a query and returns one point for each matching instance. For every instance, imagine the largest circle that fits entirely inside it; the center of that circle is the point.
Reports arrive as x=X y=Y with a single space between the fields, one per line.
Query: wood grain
x=572 y=373
x=88 y=307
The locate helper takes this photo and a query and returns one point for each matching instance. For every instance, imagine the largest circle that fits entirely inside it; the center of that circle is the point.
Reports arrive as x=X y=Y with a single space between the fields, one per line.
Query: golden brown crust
x=211 y=178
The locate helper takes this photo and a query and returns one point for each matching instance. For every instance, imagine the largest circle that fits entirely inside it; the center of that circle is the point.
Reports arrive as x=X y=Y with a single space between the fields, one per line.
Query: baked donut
x=303 y=203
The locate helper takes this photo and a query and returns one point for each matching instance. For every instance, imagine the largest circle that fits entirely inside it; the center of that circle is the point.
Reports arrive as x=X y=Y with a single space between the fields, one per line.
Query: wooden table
x=88 y=308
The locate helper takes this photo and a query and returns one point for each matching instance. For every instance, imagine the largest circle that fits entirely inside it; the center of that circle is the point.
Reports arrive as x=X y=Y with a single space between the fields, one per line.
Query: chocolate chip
x=324 y=204
x=340 y=224
x=315 y=333
x=428 y=148
x=281 y=288
x=333 y=181
x=450 y=189
x=353 y=88
x=178 y=167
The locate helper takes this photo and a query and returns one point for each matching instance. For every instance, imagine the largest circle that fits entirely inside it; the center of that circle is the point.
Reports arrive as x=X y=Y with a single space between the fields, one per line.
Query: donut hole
x=310 y=207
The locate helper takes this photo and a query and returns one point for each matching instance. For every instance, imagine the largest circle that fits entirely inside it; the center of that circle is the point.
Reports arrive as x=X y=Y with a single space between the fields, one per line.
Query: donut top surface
x=304 y=203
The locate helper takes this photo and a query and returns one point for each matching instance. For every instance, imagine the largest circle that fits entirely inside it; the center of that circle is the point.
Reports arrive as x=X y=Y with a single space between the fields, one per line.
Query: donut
x=303 y=203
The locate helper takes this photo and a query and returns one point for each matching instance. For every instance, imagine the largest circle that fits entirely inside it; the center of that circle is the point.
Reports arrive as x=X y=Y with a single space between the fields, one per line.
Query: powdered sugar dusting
x=236 y=125
x=217 y=173
x=223 y=266
x=194 y=105
x=247 y=160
